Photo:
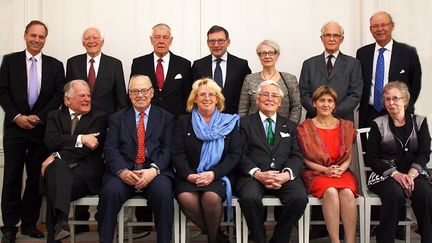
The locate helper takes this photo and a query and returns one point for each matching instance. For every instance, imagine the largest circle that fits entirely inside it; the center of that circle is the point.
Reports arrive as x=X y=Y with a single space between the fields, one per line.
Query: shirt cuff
x=417 y=167
x=292 y=177
x=16 y=117
x=154 y=165
x=389 y=171
x=253 y=170
x=78 y=143
x=120 y=171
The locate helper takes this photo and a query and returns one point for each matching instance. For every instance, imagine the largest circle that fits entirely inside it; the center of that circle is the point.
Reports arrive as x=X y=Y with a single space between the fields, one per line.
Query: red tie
x=160 y=74
x=140 y=158
x=91 y=75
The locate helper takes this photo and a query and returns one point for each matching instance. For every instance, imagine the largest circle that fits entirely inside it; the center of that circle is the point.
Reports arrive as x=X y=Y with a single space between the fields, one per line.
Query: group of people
x=206 y=132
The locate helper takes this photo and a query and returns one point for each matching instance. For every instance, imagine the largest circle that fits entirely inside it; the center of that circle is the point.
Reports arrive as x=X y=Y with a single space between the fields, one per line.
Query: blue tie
x=379 y=81
x=218 y=73
x=32 y=88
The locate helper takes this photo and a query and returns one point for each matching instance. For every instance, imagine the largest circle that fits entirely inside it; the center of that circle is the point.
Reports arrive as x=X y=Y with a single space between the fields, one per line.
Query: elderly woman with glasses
x=206 y=148
x=398 y=150
x=268 y=52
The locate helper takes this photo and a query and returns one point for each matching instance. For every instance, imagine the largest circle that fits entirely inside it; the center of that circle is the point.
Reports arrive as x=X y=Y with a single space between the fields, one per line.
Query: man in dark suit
x=401 y=62
x=270 y=165
x=172 y=87
x=31 y=85
x=227 y=70
x=74 y=135
x=108 y=91
x=341 y=72
x=137 y=155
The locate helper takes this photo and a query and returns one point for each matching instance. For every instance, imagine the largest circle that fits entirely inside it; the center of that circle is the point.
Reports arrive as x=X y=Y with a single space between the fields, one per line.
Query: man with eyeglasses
x=384 y=61
x=226 y=69
x=270 y=165
x=169 y=73
x=137 y=156
x=332 y=67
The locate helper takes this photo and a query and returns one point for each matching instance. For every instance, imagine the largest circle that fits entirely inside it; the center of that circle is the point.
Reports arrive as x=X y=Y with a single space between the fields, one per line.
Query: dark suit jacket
x=176 y=89
x=345 y=78
x=121 y=142
x=13 y=93
x=404 y=66
x=109 y=92
x=286 y=151
x=237 y=69
x=186 y=150
x=58 y=139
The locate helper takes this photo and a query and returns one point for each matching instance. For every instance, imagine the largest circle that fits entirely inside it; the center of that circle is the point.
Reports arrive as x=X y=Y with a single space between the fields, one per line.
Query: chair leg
x=301 y=229
x=306 y=219
x=362 y=221
x=176 y=223
x=238 y=216
x=245 y=230
x=182 y=227
x=121 y=225
x=367 y=221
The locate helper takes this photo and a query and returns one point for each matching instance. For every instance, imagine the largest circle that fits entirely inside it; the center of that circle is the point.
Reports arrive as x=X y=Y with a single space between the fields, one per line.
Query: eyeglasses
x=377 y=26
x=329 y=36
x=394 y=99
x=268 y=95
x=214 y=41
x=135 y=92
x=204 y=95
x=265 y=53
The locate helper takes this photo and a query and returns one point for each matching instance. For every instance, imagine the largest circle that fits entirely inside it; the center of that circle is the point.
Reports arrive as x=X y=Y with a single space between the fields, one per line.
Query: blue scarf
x=212 y=135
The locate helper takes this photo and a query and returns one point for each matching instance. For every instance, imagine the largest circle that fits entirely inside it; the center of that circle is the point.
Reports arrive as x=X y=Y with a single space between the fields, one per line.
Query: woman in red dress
x=327 y=142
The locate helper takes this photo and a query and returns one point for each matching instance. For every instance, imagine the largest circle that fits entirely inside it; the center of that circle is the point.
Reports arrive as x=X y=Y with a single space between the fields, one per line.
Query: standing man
x=333 y=68
x=103 y=73
x=227 y=70
x=74 y=135
x=31 y=85
x=169 y=73
x=270 y=165
x=137 y=156
x=382 y=62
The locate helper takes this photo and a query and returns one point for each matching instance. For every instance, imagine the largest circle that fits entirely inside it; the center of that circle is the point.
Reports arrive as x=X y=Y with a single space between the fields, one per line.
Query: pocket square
x=402 y=71
x=285 y=135
x=178 y=76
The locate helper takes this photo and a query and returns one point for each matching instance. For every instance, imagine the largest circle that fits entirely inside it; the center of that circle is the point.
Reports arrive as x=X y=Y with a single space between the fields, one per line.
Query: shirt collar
x=224 y=57
x=96 y=58
x=146 y=112
x=29 y=55
x=71 y=112
x=165 y=58
x=388 y=47
x=264 y=117
x=326 y=54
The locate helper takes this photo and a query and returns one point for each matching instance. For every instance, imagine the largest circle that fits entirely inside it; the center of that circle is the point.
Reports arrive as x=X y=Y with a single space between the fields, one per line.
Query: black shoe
x=222 y=238
x=81 y=229
x=317 y=232
x=9 y=234
x=32 y=231
x=400 y=232
x=141 y=231
x=373 y=230
x=62 y=230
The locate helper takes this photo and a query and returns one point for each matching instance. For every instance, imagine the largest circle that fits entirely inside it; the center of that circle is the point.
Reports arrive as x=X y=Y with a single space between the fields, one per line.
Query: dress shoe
x=9 y=234
x=62 y=230
x=140 y=232
x=31 y=231
x=400 y=232
x=373 y=230
x=81 y=229
x=222 y=238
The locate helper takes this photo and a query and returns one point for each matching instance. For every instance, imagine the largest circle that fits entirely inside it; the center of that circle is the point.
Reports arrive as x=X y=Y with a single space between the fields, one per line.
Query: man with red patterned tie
x=138 y=135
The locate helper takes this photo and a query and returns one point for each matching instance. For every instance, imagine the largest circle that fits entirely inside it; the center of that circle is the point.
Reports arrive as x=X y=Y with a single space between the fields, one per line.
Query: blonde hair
x=211 y=84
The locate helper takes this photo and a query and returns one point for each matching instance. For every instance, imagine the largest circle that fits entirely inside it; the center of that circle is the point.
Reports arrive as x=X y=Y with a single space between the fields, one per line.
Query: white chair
x=269 y=201
x=313 y=201
x=91 y=200
x=372 y=199
x=238 y=217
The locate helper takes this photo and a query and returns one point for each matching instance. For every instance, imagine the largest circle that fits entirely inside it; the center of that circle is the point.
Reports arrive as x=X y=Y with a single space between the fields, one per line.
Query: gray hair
x=270 y=43
x=269 y=82
x=342 y=32
x=161 y=25
x=100 y=33
x=69 y=90
x=145 y=78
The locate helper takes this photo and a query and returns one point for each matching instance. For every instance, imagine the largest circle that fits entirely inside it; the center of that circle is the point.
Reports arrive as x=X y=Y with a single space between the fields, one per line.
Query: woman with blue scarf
x=206 y=148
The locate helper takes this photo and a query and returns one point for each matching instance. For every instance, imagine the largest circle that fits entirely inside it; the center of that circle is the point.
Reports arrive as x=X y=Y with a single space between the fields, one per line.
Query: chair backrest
x=363 y=169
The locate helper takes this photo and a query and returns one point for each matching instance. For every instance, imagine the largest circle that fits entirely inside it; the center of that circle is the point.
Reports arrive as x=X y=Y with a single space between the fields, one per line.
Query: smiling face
x=79 y=99
x=161 y=40
x=218 y=43
x=395 y=102
x=332 y=37
x=269 y=100
x=92 y=41
x=206 y=99
x=35 y=38
x=324 y=105
x=381 y=28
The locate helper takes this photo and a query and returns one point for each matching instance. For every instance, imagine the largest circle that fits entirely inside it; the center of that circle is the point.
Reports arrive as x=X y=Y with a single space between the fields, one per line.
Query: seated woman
x=268 y=52
x=398 y=150
x=206 y=147
x=327 y=142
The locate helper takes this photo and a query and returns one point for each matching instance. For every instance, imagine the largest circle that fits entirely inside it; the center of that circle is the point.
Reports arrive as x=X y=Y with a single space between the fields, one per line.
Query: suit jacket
x=186 y=150
x=121 y=143
x=13 y=93
x=177 y=85
x=404 y=66
x=58 y=139
x=109 y=92
x=286 y=151
x=345 y=78
x=237 y=69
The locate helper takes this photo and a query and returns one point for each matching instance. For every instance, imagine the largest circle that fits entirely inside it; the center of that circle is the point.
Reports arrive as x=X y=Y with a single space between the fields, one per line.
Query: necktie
x=32 y=88
x=74 y=122
x=329 y=65
x=91 y=75
x=140 y=158
x=160 y=74
x=218 y=73
x=270 y=134
x=379 y=81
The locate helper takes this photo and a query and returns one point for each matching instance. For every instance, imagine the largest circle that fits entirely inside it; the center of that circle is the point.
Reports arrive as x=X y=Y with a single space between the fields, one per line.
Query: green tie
x=270 y=134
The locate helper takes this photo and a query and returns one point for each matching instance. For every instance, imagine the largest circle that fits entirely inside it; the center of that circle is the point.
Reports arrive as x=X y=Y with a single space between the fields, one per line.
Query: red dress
x=327 y=147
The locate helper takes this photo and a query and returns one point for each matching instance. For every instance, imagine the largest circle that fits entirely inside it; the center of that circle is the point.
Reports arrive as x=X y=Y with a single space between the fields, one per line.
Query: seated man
x=137 y=155
x=270 y=165
x=74 y=135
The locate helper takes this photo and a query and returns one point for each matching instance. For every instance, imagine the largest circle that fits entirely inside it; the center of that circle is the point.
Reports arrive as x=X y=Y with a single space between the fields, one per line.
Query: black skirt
x=217 y=186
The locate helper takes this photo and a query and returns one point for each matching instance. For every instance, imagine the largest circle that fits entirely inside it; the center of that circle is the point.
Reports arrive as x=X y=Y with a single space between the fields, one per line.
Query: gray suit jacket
x=346 y=79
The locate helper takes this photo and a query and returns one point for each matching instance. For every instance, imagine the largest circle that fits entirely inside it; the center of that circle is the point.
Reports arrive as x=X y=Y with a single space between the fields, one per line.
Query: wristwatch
x=156 y=168
x=56 y=155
